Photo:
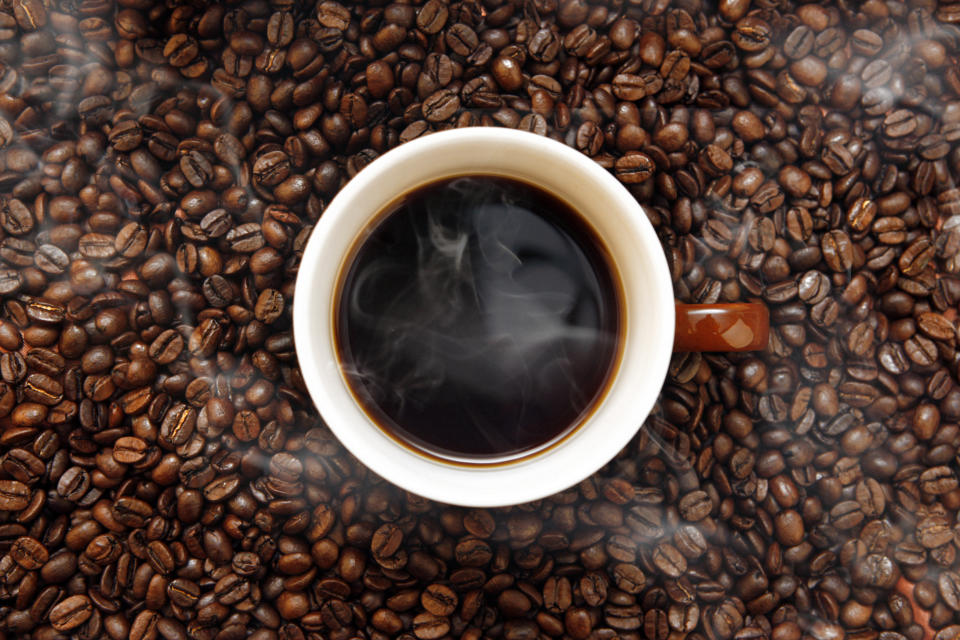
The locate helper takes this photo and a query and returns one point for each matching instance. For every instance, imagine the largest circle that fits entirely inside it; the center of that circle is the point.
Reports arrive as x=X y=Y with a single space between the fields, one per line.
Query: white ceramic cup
x=648 y=334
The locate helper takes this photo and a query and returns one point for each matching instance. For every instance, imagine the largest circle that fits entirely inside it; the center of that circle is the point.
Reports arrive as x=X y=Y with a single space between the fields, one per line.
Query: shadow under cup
x=644 y=328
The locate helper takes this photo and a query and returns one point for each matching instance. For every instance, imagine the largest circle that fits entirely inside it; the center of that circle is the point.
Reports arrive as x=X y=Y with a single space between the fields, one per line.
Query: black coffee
x=478 y=319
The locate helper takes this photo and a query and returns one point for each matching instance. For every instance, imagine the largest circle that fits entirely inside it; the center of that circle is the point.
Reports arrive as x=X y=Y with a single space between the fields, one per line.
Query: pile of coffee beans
x=163 y=474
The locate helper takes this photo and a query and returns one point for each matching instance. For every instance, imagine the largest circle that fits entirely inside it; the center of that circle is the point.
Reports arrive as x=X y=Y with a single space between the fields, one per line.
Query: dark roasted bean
x=71 y=612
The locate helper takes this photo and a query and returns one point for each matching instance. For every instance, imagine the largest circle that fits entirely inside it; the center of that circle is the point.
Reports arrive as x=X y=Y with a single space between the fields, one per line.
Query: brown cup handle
x=740 y=326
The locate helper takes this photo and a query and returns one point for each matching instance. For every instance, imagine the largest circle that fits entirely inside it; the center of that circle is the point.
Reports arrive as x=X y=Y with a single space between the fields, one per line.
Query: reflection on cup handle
x=742 y=326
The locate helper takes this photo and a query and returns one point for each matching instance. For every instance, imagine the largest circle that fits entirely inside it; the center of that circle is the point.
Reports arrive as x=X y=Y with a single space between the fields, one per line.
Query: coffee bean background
x=163 y=473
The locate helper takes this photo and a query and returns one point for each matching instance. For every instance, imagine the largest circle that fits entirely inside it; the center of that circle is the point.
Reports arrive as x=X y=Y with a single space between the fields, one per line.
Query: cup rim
x=543 y=474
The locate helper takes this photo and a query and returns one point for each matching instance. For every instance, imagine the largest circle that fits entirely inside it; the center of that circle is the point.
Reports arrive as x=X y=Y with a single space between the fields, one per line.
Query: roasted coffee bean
x=221 y=488
x=799 y=42
x=196 y=168
x=71 y=612
x=130 y=240
x=29 y=553
x=752 y=34
x=166 y=347
x=15 y=218
x=30 y=14
x=182 y=592
x=668 y=560
x=634 y=168
x=269 y=306
x=695 y=506
x=439 y=600
x=45 y=311
x=245 y=238
x=129 y=450
x=131 y=511
x=14 y=495
x=441 y=105
x=73 y=484
x=837 y=251
x=126 y=135
x=43 y=389
x=178 y=425
x=432 y=16
x=938 y=480
x=145 y=625
x=23 y=465
x=51 y=259
x=462 y=39
x=861 y=214
x=866 y=42
x=271 y=168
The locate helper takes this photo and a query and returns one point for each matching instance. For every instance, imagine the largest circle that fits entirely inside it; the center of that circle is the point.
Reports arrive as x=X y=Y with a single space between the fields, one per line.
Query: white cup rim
x=620 y=221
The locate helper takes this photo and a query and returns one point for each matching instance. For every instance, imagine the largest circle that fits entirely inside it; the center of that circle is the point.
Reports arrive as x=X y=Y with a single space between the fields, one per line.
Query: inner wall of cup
x=606 y=207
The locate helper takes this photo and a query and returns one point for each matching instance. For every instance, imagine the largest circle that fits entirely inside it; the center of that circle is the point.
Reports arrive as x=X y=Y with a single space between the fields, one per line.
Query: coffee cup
x=651 y=324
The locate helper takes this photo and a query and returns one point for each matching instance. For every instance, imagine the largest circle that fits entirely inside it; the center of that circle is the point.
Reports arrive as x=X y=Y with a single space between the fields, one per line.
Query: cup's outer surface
x=620 y=223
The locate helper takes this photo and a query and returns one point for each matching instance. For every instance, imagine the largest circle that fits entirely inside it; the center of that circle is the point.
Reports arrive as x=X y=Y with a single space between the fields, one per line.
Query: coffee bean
x=936 y=326
x=508 y=73
x=221 y=488
x=461 y=39
x=631 y=579
x=634 y=168
x=269 y=306
x=145 y=625
x=441 y=105
x=126 y=135
x=196 y=168
x=751 y=34
x=245 y=238
x=899 y=123
x=938 y=480
x=427 y=626
x=271 y=168
x=695 y=506
x=628 y=86
x=166 y=347
x=668 y=560
x=439 y=600
x=432 y=16
x=799 y=42
x=30 y=14
x=73 y=484
x=23 y=465
x=129 y=450
x=921 y=351
x=846 y=514
x=130 y=240
x=29 y=553
x=813 y=287
x=380 y=78
x=837 y=251
x=71 y=613
x=178 y=425
x=333 y=15
x=183 y=592
x=10 y=281
x=51 y=259
x=14 y=495
x=866 y=42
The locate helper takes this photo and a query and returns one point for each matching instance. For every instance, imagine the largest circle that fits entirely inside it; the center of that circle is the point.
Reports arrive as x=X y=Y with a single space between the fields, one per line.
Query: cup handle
x=739 y=326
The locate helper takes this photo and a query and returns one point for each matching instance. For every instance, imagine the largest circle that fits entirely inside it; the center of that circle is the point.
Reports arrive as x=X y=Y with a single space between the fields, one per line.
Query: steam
x=489 y=320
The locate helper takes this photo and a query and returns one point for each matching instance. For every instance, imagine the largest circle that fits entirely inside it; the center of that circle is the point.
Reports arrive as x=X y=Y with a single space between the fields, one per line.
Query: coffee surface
x=479 y=318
